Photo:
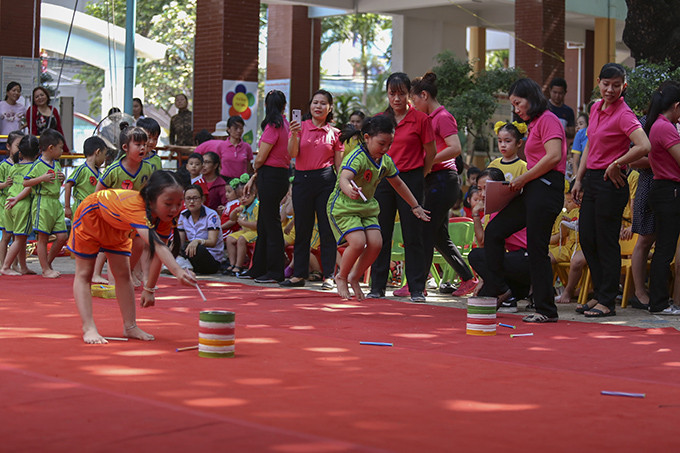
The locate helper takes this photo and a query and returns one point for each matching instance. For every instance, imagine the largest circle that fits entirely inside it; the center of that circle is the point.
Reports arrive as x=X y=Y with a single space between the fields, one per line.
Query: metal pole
x=130 y=60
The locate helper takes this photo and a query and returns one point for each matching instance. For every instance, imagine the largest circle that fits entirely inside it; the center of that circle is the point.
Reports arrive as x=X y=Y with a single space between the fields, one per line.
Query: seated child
x=194 y=167
x=237 y=242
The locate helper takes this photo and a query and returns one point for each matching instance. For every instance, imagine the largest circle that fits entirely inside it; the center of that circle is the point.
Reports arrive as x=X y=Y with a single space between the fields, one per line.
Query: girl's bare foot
x=51 y=273
x=356 y=287
x=99 y=279
x=343 y=289
x=139 y=334
x=26 y=271
x=93 y=337
x=8 y=271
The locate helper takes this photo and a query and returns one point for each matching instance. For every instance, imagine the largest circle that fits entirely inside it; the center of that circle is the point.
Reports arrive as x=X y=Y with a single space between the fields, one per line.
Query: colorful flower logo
x=240 y=101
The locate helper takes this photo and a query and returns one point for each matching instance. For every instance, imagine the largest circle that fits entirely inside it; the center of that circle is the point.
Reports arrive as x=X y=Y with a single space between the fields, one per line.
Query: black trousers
x=515 y=272
x=412 y=231
x=536 y=209
x=311 y=190
x=269 y=255
x=441 y=193
x=599 y=231
x=203 y=262
x=664 y=199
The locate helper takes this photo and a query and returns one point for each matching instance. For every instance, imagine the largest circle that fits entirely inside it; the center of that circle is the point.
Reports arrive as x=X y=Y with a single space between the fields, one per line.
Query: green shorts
x=343 y=224
x=3 y=222
x=18 y=219
x=48 y=215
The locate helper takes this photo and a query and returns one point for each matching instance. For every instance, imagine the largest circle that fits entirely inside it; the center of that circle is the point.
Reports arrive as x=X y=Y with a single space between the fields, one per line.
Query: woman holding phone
x=315 y=145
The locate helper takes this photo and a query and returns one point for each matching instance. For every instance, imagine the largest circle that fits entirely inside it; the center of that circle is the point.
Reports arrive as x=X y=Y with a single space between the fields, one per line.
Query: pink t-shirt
x=444 y=125
x=608 y=133
x=234 y=159
x=407 y=150
x=544 y=127
x=278 y=138
x=663 y=136
x=515 y=241
x=318 y=146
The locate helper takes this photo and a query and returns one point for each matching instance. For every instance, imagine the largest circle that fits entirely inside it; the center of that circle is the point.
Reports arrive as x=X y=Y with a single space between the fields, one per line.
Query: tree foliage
x=170 y=22
x=644 y=79
x=471 y=98
x=652 y=30
x=362 y=30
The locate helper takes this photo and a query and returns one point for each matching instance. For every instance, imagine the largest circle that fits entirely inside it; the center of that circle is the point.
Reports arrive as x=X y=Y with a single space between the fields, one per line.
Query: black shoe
x=266 y=279
x=417 y=297
x=291 y=284
x=446 y=288
x=376 y=294
x=508 y=306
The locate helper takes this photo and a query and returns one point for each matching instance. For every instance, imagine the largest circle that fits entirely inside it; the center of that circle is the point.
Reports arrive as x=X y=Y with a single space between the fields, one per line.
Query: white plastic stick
x=361 y=194
x=200 y=293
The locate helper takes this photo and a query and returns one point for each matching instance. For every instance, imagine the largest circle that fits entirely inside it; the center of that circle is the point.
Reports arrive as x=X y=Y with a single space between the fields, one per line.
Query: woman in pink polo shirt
x=602 y=188
x=664 y=197
x=317 y=150
x=413 y=153
x=271 y=176
x=536 y=209
x=235 y=154
x=441 y=185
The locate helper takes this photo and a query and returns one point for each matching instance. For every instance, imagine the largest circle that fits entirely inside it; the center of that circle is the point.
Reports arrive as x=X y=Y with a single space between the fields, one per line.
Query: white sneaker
x=672 y=309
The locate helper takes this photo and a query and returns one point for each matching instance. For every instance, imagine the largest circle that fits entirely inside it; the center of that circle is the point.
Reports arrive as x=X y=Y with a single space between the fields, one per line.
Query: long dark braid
x=158 y=182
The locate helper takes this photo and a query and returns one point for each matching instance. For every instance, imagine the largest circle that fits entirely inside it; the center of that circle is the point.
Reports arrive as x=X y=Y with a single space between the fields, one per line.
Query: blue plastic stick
x=374 y=343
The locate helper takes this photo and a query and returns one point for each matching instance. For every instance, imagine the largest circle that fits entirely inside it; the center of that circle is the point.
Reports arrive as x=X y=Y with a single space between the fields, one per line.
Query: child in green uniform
x=44 y=179
x=153 y=131
x=83 y=181
x=352 y=210
x=6 y=165
x=18 y=210
x=132 y=171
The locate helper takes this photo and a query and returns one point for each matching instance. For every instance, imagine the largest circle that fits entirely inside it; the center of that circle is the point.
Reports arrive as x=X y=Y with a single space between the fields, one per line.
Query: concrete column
x=226 y=47
x=416 y=43
x=604 y=50
x=477 y=55
x=539 y=31
x=16 y=23
x=294 y=51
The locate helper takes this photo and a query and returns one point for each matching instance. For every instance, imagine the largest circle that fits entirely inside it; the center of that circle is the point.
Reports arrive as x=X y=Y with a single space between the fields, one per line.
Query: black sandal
x=581 y=309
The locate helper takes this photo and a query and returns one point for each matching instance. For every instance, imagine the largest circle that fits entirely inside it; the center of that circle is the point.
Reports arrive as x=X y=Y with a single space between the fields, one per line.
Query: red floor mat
x=300 y=381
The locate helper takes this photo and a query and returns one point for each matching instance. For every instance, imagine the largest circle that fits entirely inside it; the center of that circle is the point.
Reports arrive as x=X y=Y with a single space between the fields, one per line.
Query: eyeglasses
x=192 y=199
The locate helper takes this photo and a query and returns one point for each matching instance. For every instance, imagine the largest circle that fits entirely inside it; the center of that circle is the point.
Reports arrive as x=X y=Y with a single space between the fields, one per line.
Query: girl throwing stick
x=104 y=222
x=352 y=210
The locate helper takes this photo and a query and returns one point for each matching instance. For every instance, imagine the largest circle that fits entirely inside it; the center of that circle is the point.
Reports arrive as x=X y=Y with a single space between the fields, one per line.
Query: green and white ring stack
x=481 y=316
x=216 y=334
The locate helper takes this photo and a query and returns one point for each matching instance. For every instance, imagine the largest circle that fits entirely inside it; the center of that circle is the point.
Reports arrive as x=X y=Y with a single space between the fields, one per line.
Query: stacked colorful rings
x=481 y=316
x=216 y=334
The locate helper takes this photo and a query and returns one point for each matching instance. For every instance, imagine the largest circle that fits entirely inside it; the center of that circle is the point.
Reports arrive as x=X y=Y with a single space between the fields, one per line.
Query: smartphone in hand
x=297 y=115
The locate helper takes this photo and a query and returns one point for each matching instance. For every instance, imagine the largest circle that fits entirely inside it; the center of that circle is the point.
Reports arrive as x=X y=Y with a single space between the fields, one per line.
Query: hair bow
x=521 y=127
